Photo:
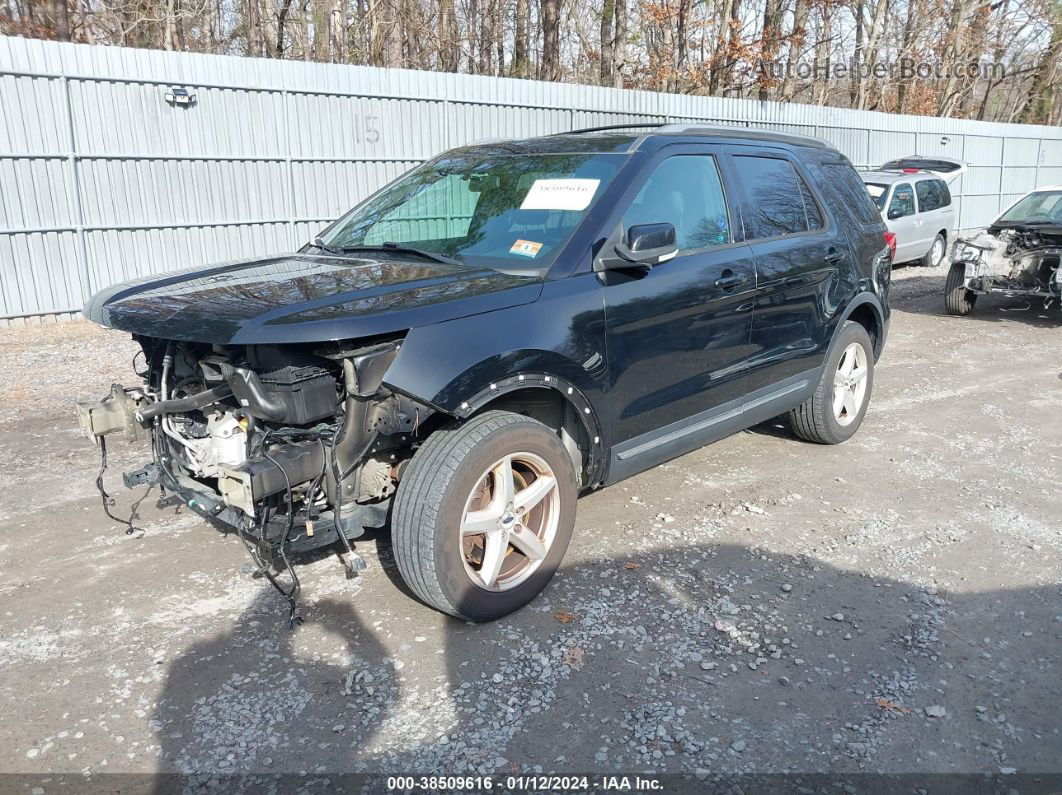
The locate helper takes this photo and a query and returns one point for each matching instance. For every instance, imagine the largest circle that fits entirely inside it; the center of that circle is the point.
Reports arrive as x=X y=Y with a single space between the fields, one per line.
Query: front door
x=677 y=334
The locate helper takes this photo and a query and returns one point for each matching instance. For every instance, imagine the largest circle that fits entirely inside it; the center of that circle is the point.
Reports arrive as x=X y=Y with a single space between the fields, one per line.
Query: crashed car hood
x=304 y=298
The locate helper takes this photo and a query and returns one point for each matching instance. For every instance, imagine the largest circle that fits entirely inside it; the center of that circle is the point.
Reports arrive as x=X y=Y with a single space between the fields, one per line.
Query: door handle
x=729 y=280
x=833 y=255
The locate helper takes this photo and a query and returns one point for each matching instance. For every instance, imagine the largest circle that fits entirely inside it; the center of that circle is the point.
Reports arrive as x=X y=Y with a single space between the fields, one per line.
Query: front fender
x=555 y=343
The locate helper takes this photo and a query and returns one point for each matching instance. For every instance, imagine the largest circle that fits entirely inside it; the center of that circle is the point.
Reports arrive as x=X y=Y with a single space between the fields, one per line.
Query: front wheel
x=834 y=413
x=483 y=515
x=957 y=299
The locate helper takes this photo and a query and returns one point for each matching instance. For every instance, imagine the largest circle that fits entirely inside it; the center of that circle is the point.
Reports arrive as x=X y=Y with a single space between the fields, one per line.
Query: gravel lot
x=760 y=605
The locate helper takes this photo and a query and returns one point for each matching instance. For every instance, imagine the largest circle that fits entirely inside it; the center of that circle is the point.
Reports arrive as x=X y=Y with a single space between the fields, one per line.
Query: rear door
x=800 y=254
x=901 y=215
x=935 y=213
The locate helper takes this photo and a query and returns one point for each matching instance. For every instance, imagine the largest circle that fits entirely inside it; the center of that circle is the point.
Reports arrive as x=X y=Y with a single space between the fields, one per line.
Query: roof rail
x=686 y=128
x=612 y=127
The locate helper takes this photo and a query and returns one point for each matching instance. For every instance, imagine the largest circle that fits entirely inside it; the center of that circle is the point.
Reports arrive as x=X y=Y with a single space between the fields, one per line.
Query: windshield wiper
x=319 y=243
x=403 y=249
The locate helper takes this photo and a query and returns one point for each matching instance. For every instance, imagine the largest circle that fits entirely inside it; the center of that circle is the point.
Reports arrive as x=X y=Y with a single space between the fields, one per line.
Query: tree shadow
x=721 y=657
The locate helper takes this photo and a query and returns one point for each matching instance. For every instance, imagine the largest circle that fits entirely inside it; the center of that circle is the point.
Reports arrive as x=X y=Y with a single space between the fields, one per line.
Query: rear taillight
x=890 y=241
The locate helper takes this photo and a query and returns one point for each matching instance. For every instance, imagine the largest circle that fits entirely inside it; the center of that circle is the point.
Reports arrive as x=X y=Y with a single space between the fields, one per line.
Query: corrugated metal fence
x=103 y=179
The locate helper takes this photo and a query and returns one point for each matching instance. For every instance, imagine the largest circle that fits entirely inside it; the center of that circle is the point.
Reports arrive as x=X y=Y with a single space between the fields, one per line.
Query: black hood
x=303 y=298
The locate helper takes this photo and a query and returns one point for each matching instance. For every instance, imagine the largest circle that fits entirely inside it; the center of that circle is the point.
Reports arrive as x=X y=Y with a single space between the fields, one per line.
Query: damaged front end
x=1014 y=261
x=294 y=447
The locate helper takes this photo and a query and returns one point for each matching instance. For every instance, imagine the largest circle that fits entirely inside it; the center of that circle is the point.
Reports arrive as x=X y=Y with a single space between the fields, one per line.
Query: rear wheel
x=834 y=413
x=957 y=299
x=483 y=515
x=936 y=252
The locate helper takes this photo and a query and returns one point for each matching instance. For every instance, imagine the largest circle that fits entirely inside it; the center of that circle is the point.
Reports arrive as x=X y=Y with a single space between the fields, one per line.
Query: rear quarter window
x=778 y=201
x=929 y=195
x=846 y=193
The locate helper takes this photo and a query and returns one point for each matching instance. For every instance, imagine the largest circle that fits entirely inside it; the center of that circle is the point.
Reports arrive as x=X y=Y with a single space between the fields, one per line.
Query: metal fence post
x=74 y=181
x=289 y=166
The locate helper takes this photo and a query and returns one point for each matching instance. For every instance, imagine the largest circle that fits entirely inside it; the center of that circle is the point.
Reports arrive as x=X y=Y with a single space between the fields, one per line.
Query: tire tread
x=420 y=494
x=809 y=420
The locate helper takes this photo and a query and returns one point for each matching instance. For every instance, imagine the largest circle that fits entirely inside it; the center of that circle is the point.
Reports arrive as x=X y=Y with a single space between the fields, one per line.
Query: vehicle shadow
x=924 y=295
x=719 y=657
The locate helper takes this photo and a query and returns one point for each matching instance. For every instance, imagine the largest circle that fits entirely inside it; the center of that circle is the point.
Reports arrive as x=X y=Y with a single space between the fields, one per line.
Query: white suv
x=915 y=203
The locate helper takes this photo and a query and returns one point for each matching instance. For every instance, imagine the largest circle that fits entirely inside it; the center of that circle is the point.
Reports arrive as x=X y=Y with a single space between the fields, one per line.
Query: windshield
x=1044 y=206
x=483 y=208
x=877 y=193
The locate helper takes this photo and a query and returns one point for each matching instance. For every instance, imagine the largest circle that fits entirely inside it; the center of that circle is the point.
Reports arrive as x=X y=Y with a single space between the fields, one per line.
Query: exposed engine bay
x=293 y=447
x=1013 y=260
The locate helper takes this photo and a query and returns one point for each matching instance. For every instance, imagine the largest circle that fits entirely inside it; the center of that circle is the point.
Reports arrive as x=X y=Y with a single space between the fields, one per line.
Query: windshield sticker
x=560 y=194
x=525 y=248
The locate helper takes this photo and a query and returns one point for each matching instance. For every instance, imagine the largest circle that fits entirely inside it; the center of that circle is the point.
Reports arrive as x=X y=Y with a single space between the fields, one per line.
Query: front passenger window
x=902 y=203
x=685 y=191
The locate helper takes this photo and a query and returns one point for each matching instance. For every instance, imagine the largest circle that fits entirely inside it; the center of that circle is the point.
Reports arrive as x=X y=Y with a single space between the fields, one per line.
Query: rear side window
x=902 y=202
x=847 y=191
x=684 y=190
x=779 y=202
x=929 y=195
x=945 y=193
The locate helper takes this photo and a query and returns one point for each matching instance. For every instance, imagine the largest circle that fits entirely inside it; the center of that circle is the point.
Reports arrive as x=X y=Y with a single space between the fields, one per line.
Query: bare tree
x=716 y=47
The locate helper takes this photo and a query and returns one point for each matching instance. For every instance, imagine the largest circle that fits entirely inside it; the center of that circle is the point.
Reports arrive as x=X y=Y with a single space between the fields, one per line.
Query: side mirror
x=646 y=244
x=894 y=213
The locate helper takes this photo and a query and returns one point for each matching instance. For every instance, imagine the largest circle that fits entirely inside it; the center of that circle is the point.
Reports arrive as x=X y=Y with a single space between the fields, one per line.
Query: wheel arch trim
x=568 y=392
x=861 y=300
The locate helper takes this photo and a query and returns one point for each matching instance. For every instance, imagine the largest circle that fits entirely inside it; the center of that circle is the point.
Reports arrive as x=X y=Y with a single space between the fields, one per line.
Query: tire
x=815 y=420
x=936 y=253
x=957 y=299
x=453 y=469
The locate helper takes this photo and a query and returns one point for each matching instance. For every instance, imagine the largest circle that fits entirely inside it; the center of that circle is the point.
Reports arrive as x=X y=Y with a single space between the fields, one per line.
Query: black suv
x=502 y=328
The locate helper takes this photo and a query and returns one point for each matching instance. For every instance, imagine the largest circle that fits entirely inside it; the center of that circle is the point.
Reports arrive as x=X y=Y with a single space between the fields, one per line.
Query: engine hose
x=178 y=405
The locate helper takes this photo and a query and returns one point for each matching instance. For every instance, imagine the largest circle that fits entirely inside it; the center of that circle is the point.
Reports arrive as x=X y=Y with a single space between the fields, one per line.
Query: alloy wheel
x=510 y=521
x=936 y=254
x=850 y=384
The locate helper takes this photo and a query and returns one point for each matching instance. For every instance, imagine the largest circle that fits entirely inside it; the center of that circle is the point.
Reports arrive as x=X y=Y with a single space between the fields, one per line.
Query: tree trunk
x=905 y=52
x=620 y=47
x=486 y=37
x=733 y=41
x=796 y=47
x=681 y=44
x=168 y=33
x=338 y=27
x=1043 y=90
x=473 y=15
x=520 y=64
x=62 y=20
x=607 y=42
x=822 y=56
x=854 y=83
x=717 y=63
x=772 y=12
x=282 y=19
x=321 y=35
x=449 y=46
x=549 y=68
